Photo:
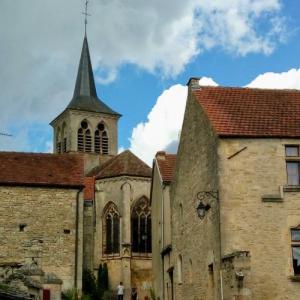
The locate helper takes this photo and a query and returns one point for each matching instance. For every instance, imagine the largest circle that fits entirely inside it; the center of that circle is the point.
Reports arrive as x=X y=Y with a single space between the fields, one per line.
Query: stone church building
x=81 y=206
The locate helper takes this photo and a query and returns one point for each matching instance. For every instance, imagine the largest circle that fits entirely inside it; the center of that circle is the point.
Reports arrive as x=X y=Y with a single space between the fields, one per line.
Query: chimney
x=193 y=82
x=160 y=155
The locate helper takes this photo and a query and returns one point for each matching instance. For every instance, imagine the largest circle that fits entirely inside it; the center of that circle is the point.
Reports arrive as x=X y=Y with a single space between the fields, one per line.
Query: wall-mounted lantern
x=203 y=206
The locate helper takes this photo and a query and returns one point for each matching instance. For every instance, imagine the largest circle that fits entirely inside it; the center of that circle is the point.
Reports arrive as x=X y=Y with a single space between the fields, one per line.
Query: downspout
x=76 y=235
x=163 y=238
x=220 y=238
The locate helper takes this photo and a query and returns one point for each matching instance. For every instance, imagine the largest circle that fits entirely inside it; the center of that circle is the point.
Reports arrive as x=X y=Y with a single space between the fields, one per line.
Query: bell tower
x=87 y=124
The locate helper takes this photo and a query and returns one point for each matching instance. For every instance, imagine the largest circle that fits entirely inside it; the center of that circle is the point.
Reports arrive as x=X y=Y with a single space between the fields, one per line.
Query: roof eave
x=244 y=136
x=123 y=175
x=43 y=184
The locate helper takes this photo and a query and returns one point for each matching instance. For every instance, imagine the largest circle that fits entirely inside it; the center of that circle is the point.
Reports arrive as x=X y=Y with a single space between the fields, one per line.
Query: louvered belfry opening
x=101 y=139
x=84 y=138
x=141 y=227
x=111 y=230
x=104 y=143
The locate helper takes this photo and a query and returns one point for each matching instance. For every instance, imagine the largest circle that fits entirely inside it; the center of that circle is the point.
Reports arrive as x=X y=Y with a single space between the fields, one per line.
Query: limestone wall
x=40 y=224
x=161 y=235
x=195 y=254
x=157 y=227
x=256 y=214
x=123 y=192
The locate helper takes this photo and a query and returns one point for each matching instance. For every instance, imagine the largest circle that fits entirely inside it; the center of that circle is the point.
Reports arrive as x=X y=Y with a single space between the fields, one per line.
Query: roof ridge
x=245 y=88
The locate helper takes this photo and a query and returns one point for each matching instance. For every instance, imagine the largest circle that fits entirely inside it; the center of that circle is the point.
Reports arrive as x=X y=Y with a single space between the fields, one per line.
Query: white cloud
x=163 y=125
x=271 y=80
x=207 y=81
x=162 y=129
x=41 y=40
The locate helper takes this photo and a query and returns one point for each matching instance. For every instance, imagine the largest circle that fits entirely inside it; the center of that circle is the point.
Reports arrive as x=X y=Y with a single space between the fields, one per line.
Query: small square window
x=67 y=231
x=22 y=227
x=291 y=151
x=295 y=235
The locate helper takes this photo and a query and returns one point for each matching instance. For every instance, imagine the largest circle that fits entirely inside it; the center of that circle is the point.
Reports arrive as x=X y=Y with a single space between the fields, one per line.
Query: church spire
x=85 y=84
x=85 y=94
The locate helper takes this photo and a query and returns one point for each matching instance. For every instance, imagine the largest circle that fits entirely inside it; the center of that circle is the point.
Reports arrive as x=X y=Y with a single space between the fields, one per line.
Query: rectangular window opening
x=295 y=236
x=292 y=164
x=22 y=227
x=292 y=151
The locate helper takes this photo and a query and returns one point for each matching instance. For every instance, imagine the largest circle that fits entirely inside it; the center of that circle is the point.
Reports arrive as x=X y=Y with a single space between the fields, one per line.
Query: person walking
x=134 y=293
x=120 y=291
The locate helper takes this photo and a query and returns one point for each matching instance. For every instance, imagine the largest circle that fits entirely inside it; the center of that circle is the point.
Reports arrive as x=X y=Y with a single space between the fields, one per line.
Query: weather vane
x=86 y=15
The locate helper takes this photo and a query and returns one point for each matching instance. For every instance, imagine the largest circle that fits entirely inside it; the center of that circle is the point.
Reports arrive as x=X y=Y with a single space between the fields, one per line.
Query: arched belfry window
x=84 y=138
x=111 y=229
x=58 y=141
x=101 y=139
x=141 y=226
x=64 y=139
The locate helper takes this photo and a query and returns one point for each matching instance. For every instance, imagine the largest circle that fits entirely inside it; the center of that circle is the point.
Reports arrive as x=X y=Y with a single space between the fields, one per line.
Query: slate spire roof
x=85 y=94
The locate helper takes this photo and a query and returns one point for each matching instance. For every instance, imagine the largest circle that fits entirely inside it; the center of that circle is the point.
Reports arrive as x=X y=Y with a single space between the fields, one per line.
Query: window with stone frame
x=141 y=238
x=101 y=139
x=111 y=230
x=295 y=237
x=84 y=138
x=292 y=164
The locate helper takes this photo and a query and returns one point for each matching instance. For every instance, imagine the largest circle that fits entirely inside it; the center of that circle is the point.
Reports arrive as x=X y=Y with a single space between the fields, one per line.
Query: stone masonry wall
x=47 y=216
x=123 y=192
x=195 y=241
x=257 y=215
x=156 y=209
x=161 y=235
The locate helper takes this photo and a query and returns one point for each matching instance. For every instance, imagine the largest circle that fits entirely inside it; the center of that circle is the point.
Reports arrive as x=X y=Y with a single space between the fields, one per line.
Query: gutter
x=77 y=236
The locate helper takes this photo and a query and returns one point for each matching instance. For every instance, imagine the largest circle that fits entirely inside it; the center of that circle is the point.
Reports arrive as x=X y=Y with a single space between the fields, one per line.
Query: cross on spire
x=86 y=15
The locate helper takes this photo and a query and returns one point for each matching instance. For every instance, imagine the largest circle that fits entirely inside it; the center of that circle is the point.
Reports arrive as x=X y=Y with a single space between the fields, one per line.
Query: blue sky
x=143 y=54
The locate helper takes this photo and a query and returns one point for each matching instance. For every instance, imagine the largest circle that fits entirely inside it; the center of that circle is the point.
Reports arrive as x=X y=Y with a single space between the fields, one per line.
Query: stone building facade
x=163 y=170
x=41 y=220
x=121 y=218
x=238 y=163
x=64 y=217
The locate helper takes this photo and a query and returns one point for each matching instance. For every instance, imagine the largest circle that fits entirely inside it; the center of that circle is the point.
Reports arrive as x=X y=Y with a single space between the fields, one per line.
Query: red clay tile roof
x=37 y=169
x=166 y=164
x=246 y=112
x=124 y=164
x=89 y=189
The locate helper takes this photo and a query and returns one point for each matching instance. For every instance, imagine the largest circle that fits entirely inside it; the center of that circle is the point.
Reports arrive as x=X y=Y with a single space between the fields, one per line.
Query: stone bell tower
x=87 y=124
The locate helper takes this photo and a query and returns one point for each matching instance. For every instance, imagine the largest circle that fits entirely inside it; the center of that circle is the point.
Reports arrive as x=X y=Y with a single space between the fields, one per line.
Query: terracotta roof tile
x=166 y=164
x=247 y=112
x=123 y=164
x=32 y=169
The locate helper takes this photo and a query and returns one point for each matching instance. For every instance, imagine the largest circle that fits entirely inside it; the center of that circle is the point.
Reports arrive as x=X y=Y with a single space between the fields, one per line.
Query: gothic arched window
x=84 y=139
x=111 y=229
x=101 y=140
x=141 y=226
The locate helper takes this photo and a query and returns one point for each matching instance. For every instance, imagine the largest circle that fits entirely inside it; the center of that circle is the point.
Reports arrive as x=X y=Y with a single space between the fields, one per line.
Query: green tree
x=105 y=277
x=89 y=284
x=100 y=286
